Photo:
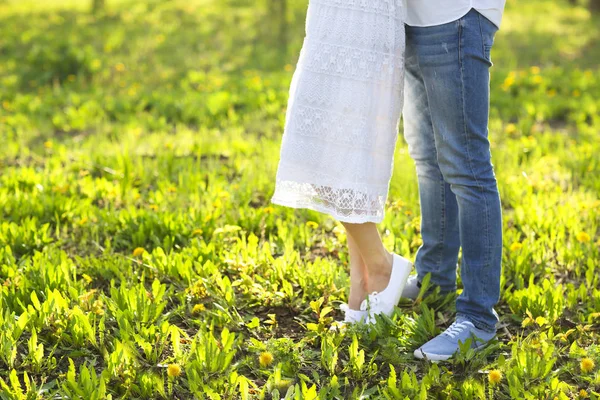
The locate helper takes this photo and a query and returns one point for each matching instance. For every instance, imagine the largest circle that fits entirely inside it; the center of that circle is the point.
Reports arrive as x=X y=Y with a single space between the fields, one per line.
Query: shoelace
x=374 y=299
x=456 y=328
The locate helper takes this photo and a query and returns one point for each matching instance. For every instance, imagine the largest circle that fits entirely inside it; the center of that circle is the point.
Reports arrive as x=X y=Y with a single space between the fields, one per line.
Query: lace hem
x=342 y=203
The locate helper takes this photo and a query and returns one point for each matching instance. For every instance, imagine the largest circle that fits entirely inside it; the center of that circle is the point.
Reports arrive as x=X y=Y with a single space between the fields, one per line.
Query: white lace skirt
x=345 y=103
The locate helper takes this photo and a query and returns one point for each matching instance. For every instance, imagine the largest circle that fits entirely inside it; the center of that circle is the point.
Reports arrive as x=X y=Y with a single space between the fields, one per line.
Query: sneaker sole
x=430 y=356
x=421 y=355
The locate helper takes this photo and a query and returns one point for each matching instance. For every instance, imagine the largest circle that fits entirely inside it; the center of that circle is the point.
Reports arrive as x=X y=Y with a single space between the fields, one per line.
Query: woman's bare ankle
x=380 y=274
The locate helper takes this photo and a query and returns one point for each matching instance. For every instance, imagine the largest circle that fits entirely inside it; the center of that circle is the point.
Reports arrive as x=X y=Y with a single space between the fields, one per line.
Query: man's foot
x=384 y=302
x=412 y=288
x=445 y=345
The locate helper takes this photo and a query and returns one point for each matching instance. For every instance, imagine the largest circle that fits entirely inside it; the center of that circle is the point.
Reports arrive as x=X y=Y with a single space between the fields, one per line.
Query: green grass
x=139 y=149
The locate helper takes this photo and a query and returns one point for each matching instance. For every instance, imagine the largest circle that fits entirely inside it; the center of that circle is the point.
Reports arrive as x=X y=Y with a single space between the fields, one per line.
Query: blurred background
x=203 y=62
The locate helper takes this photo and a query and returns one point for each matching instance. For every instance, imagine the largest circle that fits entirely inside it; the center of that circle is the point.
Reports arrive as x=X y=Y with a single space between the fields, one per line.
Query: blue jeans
x=446 y=111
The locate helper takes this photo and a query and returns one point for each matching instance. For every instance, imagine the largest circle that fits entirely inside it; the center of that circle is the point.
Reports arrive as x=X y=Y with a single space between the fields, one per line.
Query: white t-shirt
x=437 y=12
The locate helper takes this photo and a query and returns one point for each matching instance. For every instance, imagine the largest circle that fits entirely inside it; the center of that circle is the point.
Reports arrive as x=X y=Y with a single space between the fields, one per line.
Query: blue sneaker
x=443 y=346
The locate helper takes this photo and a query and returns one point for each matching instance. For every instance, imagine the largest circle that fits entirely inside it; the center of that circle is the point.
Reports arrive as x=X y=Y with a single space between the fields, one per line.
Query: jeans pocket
x=488 y=31
x=487 y=52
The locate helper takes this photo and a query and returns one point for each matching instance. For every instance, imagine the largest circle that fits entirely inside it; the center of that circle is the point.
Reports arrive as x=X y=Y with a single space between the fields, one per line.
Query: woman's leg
x=377 y=259
x=358 y=275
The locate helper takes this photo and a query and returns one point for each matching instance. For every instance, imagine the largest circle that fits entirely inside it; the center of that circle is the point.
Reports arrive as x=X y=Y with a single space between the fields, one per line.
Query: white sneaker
x=350 y=316
x=384 y=302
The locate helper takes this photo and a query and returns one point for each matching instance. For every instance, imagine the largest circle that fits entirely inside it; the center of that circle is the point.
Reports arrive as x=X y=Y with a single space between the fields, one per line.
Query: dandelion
x=511 y=129
x=587 y=365
x=138 y=251
x=265 y=359
x=198 y=308
x=583 y=237
x=98 y=307
x=173 y=370
x=288 y=68
x=48 y=144
x=537 y=79
x=96 y=64
x=312 y=224
x=583 y=394
x=509 y=81
x=120 y=67
x=535 y=70
x=495 y=376
x=541 y=321
x=551 y=93
x=516 y=246
x=576 y=93
x=153 y=207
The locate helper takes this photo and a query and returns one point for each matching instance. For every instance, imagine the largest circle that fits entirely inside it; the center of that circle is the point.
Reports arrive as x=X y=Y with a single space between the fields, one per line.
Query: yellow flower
x=153 y=207
x=516 y=246
x=583 y=394
x=173 y=370
x=288 y=67
x=576 y=93
x=495 y=376
x=120 y=67
x=198 y=308
x=96 y=64
x=541 y=321
x=98 y=307
x=138 y=251
x=537 y=79
x=48 y=144
x=583 y=237
x=509 y=81
x=197 y=232
x=551 y=93
x=587 y=365
x=511 y=128
x=535 y=70
x=265 y=359
x=312 y=224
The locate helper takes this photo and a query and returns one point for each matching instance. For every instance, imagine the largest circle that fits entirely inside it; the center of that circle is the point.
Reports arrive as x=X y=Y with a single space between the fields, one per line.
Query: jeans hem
x=479 y=325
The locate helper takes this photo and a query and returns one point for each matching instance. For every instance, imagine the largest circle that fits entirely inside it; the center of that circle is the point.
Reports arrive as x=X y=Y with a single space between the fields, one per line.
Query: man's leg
x=439 y=211
x=454 y=62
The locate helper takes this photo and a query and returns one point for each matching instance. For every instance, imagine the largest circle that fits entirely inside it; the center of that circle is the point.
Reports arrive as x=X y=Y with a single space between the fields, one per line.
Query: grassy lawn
x=140 y=257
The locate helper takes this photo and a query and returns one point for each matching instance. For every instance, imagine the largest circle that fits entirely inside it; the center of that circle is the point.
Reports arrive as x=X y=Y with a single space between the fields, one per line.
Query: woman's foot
x=351 y=316
x=380 y=273
x=384 y=301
